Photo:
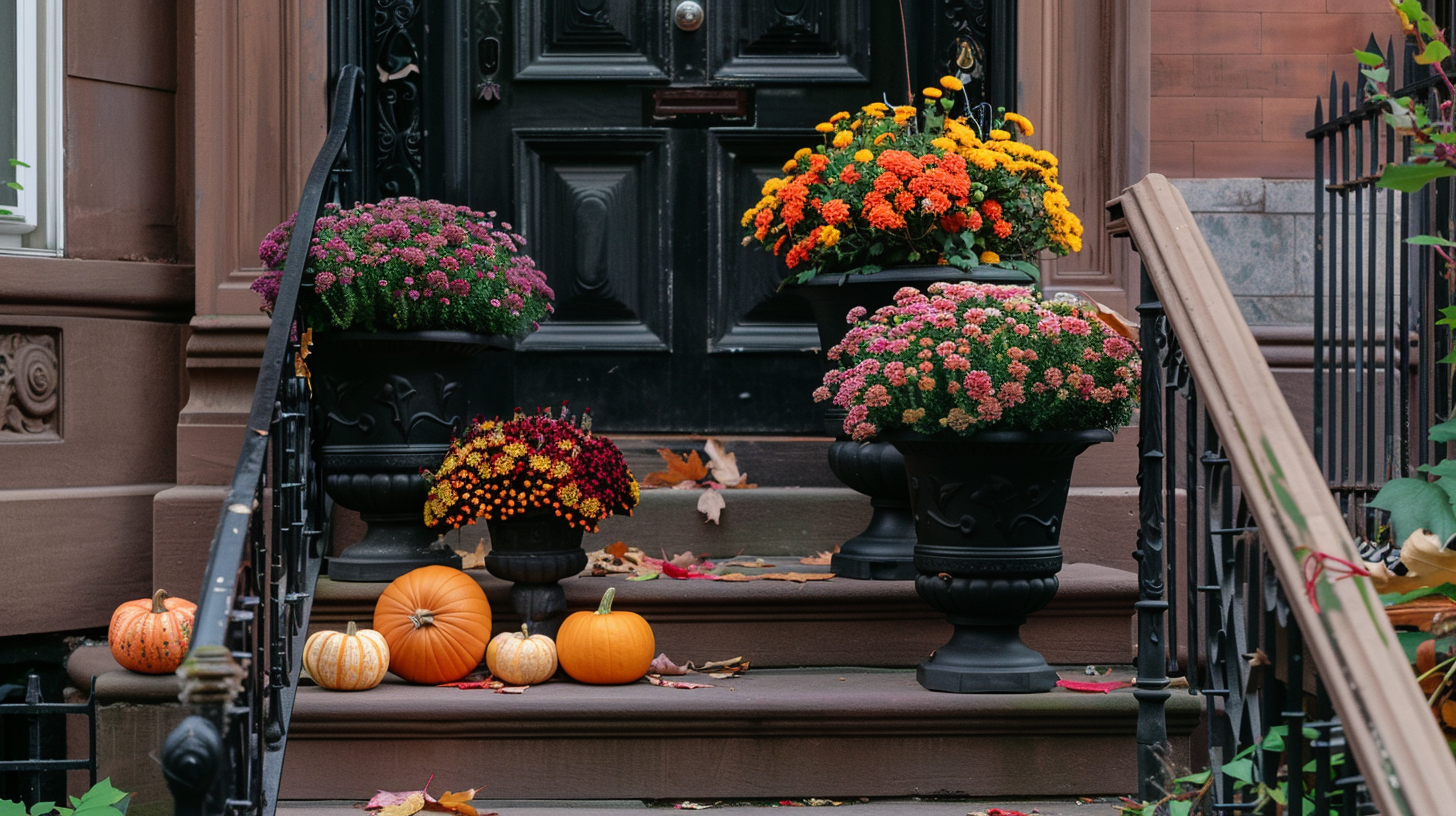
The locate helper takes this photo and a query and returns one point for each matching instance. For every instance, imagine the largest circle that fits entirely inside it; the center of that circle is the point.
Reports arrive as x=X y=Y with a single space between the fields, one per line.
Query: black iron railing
x=1213 y=614
x=1242 y=557
x=39 y=719
x=242 y=669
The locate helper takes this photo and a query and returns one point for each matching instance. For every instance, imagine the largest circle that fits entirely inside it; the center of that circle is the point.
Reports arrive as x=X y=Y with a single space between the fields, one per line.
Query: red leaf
x=1095 y=688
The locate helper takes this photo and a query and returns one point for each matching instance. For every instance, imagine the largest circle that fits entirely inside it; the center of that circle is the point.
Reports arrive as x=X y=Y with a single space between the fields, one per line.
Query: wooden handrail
x=1406 y=761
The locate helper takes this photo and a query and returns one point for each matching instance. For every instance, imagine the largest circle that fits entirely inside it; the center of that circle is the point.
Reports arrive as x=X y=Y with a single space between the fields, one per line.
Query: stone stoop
x=622 y=807
x=835 y=733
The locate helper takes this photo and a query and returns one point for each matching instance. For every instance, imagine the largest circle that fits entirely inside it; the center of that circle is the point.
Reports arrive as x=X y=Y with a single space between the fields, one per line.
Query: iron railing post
x=1152 y=679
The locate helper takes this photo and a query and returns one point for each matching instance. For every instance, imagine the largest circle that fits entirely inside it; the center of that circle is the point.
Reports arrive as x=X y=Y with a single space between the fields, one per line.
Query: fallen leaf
x=1114 y=321
x=719 y=664
x=724 y=466
x=819 y=559
x=683 y=559
x=664 y=665
x=680 y=468
x=644 y=576
x=504 y=689
x=797 y=577
x=458 y=802
x=411 y=805
x=617 y=550
x=720 y=669
x=757 y=563
x=822 y=803
x=388 y=799
x=473 y=560
x=1094 y=688
x=672 y=570
x=711 y=503
x=690 y=806
x=657 y=680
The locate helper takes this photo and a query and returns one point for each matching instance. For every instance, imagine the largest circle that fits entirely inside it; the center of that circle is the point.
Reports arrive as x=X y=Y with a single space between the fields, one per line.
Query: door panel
x=590 y=39
x=591 y=206
x=789 y=41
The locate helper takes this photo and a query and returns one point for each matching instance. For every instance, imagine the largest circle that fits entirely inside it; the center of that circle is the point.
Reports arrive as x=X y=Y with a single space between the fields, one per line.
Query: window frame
x=37 y=225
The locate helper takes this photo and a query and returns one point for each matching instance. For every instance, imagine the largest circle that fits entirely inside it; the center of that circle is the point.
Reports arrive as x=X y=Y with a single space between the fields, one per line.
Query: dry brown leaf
x=657 y=680
x=712 y=504
x=683 y=559
x=796 y=577
x=819 y=559
x=730 y=663
x=473 y=560
x=411 y=805
x=662 y=664
x=1127 y=328
x=724 y=466
x=680 y=468
x=458 y=802
x=757 y=563
x=504 y=689
x=616 y=550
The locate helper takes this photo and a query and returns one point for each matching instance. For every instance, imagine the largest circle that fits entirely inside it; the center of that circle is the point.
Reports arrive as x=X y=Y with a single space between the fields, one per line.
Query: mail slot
x=700 y=107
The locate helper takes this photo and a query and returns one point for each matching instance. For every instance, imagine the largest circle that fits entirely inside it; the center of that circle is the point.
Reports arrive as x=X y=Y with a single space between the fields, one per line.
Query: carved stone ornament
x=30 y=385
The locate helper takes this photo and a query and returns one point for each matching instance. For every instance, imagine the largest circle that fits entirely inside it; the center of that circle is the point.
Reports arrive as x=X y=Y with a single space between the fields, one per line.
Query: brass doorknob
x=688 y=15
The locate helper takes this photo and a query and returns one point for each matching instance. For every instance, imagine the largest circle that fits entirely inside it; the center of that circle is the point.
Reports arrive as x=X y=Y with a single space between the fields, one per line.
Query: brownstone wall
x=1234 y=81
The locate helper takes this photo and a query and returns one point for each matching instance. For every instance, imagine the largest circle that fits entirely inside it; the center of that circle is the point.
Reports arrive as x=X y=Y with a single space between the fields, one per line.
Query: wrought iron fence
x=1239 y=547
x=36 y=769
x=242 y=670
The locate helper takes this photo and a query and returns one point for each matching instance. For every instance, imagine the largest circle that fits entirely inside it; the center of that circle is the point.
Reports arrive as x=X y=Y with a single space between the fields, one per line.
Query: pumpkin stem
x=422 y=618
x=524 y=632
x=157 y=606
x=606 y=605
x=351 y=629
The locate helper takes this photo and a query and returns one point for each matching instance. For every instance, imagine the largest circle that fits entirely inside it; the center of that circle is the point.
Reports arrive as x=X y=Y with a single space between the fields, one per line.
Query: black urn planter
x=534 y=551
x=885 y=550
x=988 y=518
x=389 y=403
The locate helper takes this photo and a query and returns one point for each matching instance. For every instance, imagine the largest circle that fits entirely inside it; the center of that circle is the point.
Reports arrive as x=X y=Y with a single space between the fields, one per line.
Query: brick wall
x=1234 y=81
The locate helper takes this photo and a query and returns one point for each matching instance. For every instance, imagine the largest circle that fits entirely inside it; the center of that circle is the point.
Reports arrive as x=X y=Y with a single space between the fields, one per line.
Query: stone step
x=863 y=806
x=1099 y=527
x=838 y=622
x=830 y=733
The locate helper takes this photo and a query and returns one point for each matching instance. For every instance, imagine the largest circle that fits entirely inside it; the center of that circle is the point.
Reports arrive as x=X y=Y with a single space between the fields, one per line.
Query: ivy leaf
x=1196 y=780
x=1444 y=432
x=1032 y=270
x=1434 y=52
x=1376 y=74
x=1408 y=178
x=1416 y=504
x=1180 y=807
x=1240 y=769
x=12 y=808
x=1430 y=240
x=877 y=247
x=1367 y=58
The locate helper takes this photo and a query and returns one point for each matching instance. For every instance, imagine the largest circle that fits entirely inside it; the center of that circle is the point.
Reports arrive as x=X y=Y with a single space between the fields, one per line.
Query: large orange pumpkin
x=436 y=621
x=605 y=647
x=151 y=635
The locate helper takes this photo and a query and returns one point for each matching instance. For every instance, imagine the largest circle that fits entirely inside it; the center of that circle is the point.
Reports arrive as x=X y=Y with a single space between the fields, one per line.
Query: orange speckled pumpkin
x=353 y=660
x=150 y=635
x=605 y=647
x=436 y=621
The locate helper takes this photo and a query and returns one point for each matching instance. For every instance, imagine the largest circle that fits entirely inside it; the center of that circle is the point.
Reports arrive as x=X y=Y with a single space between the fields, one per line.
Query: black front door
x=624 y=139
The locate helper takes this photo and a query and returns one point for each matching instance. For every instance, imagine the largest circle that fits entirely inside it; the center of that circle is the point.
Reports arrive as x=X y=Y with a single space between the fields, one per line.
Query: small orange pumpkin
x=605 y=647
x=352 y=660
x=151 y=635
x=436 y=621
x=521 y=658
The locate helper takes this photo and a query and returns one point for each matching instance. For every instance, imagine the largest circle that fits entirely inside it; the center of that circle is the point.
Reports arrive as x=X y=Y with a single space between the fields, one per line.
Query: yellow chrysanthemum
x=515 y=450
x=1022 y=123
x=791 y=165
x=950 y=83
x=843 y=138
x=931 y=93
x=591 y=508
x=838 y=116
x=503 y=465
x=864 y=156
x=829 y=236
x=560 y=470
x=540 y=463
x=824 y=127
x=802 y=153
x=999 y=136
x=944 y=144
x=883 y=136
x=989 y=257
x=769 y=187
x=570 y=495
x=875 y=106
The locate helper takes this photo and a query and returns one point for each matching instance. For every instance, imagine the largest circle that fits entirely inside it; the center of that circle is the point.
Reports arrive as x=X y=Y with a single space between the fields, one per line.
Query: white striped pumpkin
x=352 y=660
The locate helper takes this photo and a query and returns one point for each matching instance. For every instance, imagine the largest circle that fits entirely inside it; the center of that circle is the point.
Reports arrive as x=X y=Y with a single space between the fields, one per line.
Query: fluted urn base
x=391 y=502
x=534 y=551
x=988 y=519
